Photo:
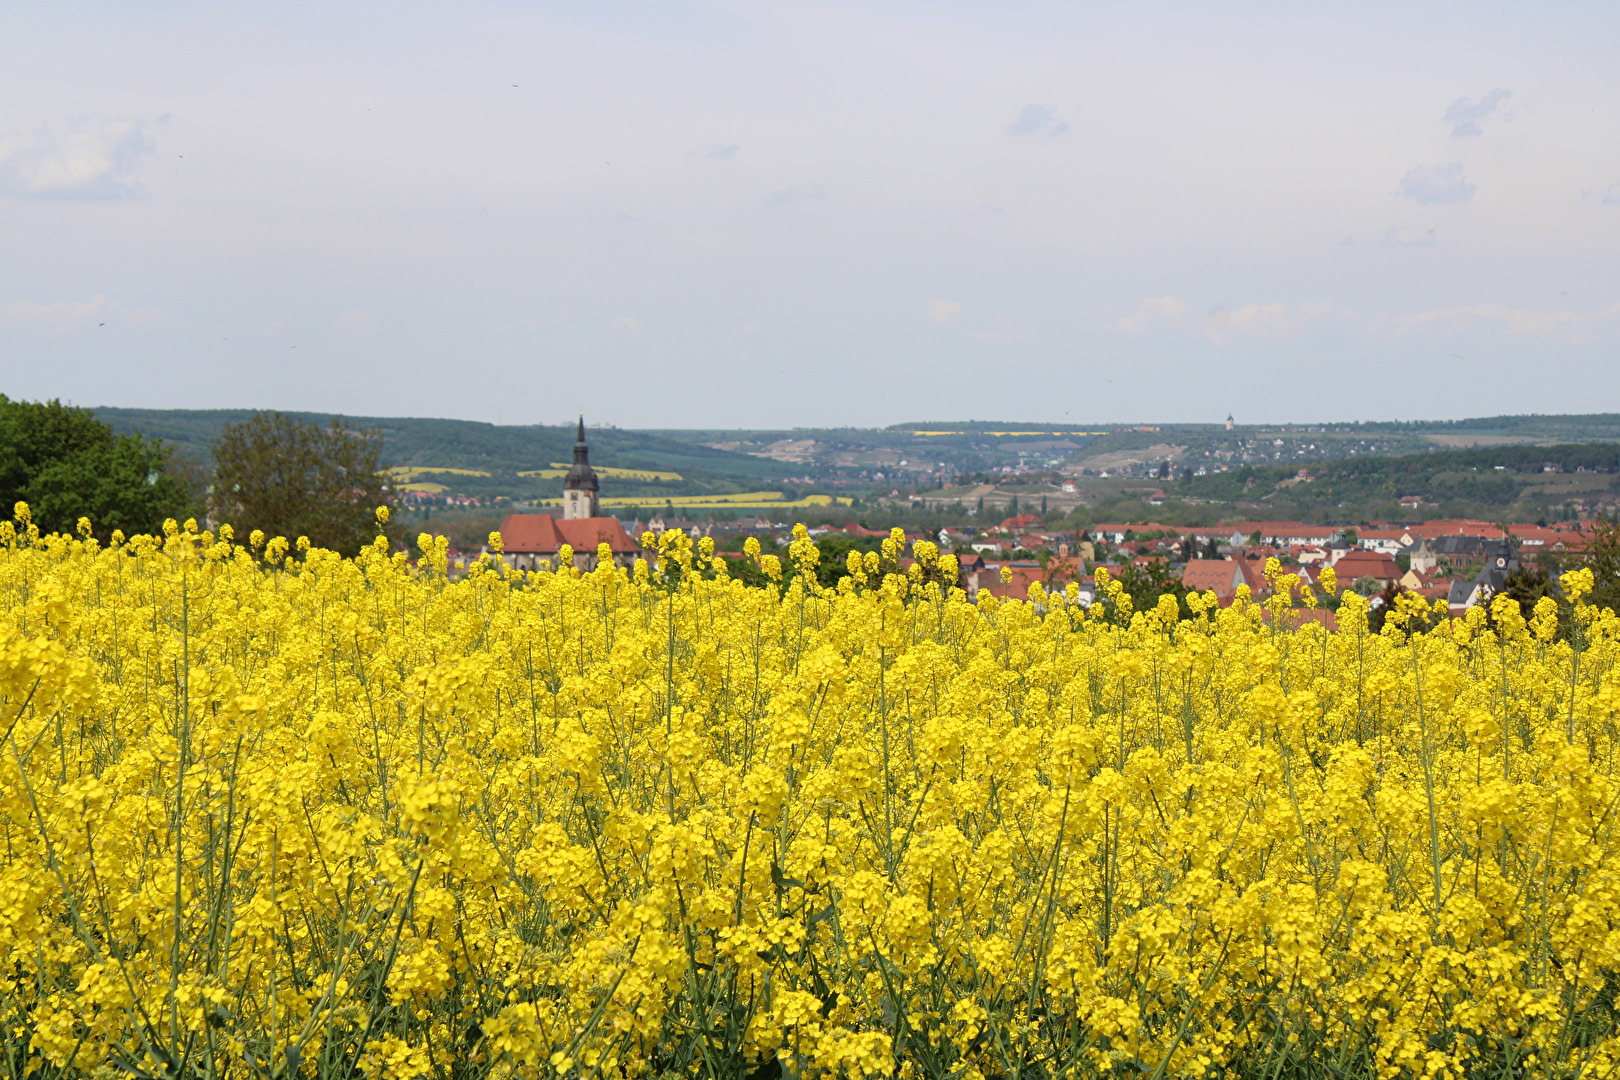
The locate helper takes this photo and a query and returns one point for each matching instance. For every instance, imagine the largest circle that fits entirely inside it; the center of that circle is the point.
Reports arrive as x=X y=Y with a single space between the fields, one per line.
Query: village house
x=1384 y=541
x=1220 y=576
x=1355 y=566
x=1421 y=557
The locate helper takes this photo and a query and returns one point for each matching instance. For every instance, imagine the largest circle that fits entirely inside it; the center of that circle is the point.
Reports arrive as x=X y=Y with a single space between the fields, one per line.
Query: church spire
x=580 y=488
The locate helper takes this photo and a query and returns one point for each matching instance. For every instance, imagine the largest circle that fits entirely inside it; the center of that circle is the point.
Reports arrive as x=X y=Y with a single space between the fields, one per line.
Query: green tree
x=1144 y=585
x=1602 y=557
x=292 y=478
x=1526 y=586
x=1057 y=572
x=1386 y=601
x=65 y=464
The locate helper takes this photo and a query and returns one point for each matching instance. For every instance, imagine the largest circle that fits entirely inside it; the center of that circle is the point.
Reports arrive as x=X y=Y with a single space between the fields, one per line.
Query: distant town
x=1463 y=562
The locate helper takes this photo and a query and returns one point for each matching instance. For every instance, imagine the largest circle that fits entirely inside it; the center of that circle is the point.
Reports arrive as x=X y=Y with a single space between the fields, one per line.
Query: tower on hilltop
x=580 y=489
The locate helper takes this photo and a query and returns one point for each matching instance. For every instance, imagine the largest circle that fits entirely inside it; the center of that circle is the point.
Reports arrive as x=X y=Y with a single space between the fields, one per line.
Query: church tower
x=580 y=488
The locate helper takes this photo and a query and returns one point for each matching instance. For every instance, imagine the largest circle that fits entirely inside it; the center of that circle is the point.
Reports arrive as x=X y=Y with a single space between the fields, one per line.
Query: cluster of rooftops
x=1423 y=557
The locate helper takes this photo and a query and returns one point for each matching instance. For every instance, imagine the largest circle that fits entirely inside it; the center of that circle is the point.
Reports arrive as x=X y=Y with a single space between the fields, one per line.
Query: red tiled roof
x=1062 y=571
x=1205 y=575
x=1275 y=528
x=1366 y=564
x=1140 y=526
x=1301 y=616
x=1254 y=573
x=542 y=534
x=1456 y=527
x=1538 y=536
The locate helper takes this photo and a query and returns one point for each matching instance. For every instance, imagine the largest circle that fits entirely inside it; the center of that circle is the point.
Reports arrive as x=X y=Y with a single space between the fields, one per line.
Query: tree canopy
x=293 y=478
x=65 y=464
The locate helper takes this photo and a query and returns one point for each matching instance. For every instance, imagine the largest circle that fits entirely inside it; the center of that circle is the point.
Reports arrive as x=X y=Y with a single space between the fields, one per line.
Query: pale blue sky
x=745 y=214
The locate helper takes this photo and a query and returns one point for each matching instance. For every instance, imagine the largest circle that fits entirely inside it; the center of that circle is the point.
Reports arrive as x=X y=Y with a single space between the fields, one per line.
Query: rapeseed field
x=273 y=812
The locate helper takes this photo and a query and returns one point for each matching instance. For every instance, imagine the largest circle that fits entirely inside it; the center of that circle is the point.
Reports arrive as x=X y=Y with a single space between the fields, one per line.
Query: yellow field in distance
x=772 y=499
x=406 y=474
x=559 y=470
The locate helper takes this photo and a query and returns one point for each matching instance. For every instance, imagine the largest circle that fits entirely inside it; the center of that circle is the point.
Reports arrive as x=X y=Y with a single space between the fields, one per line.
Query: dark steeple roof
x=581 y=477
x=1501 y=559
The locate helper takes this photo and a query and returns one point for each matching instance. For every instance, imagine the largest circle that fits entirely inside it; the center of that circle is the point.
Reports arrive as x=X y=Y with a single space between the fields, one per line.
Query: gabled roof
x=1457 y=545
x=1218 y=575
x=1366 y=564
x=542 y=534
x=1455 y=527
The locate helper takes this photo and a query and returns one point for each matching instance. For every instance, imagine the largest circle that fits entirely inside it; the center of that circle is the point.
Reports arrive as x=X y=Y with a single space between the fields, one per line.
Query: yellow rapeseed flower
x=268 y=810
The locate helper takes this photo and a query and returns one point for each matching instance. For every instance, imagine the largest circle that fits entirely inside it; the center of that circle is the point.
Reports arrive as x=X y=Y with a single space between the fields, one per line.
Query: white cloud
x=1156 y=312
x=89 y=157
x=1038 y=120
x=1519 y=322
x=1255 y=320
x=1270 y=320
x=1277 y=321
x=355 y=323
x=625 y=327
x=1005 y=333
x=1436 y=184
x=54 y=318
x=799 y=193
x=1464 y=115
x=59 y=317
x=944 y=312
x=1399 y=237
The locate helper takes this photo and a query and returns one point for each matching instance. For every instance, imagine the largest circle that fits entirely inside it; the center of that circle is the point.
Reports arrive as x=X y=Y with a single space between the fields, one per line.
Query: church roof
x=542 y=534
x=1500 y=561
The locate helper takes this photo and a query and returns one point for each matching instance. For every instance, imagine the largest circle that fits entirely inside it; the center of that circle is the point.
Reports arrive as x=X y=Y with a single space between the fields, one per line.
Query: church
x=529 y=538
